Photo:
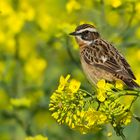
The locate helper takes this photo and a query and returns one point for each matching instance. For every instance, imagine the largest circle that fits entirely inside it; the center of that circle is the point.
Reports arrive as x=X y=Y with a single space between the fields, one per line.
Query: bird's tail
x=131 y=84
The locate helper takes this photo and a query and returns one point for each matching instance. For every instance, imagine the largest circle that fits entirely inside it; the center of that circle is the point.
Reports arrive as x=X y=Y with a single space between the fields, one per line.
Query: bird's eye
x=86 y=35
x=86 y=32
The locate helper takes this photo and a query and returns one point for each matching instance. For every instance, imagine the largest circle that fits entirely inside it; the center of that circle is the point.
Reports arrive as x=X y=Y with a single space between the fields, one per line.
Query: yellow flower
x=101 y=95
x=74 y=85
x=38 y=137
x=62 y=82
x=55 y=115
x=101 y=84
x=20 y=102
x=109 y=87
x=126 y=119
x=72 y=5
x=104 y=86
x=119 y=84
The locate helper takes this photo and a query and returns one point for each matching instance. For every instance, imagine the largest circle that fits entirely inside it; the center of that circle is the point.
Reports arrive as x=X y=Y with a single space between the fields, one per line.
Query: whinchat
x=100 y=59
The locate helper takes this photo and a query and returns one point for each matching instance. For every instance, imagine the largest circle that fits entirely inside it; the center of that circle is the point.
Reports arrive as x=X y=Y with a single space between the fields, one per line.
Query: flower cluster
x=69 y=105
x=85 y=112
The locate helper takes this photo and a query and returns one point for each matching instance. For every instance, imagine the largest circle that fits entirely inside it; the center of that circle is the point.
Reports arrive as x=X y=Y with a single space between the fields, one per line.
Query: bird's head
x=85 y=33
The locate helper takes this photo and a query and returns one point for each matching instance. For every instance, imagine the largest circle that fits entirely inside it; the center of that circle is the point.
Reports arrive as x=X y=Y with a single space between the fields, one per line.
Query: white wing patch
x=103 y=58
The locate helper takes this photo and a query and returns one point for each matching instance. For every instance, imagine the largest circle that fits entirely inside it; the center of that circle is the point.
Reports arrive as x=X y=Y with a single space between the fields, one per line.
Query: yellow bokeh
x=35 y=67
x=72 y=5
x=20 y=102
x=114 y=3
x=10 y=46
x=37 y=137
x=26 y=10
x=5 y=8
x=2 y=37
x=113 y=18
x=137 y=8
x=14 y=22
x=47 y=20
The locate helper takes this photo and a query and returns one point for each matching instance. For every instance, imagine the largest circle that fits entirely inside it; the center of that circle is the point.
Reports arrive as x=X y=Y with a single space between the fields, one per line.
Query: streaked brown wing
x=113 y=62
x=124 y=63
x=128 y=68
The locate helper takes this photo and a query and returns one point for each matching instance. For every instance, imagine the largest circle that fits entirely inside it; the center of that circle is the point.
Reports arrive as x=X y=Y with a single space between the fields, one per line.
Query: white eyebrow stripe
x=87 y=29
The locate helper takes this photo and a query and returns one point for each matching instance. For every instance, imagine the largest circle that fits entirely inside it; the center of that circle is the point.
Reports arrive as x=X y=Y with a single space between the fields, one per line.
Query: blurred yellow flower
x=62 y=82
x=38 y=137
x=26 y=10
x=116 y=3
x=14 y=22
x=35 y=66
x=27 y=44
x=20 y=102
x=113 y=18
x=109 y=134
x=74 y=85
x=46 y=22
x=137 y=8
x=5 y=8
x=10 y=45
x=72 y=5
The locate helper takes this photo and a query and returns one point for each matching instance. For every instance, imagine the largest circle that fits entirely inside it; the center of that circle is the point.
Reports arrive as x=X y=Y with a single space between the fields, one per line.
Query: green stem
x=82 y=90
x=122 y=136
x=136 y=117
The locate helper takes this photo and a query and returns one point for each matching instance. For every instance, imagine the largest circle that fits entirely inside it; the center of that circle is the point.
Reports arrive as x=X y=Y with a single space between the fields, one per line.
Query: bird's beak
x=74 y=34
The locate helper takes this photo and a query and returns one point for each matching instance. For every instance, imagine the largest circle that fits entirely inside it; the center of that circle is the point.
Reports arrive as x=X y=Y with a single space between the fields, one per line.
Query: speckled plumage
x=100 y=59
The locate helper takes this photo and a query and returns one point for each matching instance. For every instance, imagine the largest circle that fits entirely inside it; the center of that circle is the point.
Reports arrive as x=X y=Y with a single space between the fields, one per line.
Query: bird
x=100 y=59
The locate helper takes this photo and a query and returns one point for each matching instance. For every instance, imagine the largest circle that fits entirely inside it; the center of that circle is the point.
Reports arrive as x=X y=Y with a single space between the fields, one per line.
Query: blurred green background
x=35 y=50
